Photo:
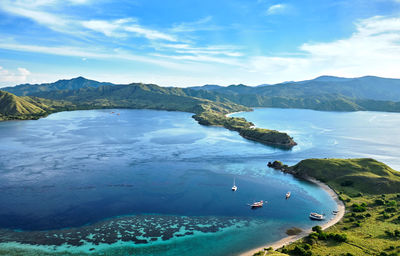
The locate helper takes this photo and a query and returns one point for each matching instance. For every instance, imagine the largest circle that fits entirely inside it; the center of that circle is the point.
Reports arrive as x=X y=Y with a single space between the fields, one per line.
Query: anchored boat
x=257 y=204
x=316 y=216
x=234 y=188
x=287 y=195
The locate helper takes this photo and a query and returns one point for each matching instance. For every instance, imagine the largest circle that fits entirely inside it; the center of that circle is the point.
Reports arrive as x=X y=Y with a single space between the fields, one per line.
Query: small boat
x=257 y=204
x=288 y=195
x=316 y=216
x=234 y=188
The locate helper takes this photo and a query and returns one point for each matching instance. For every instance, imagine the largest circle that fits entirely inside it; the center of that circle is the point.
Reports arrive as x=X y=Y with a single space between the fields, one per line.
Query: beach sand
x=290 y=239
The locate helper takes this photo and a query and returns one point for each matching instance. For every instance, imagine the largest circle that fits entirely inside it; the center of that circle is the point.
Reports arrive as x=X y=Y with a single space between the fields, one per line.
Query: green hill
x=351 y=176
x=14 y=107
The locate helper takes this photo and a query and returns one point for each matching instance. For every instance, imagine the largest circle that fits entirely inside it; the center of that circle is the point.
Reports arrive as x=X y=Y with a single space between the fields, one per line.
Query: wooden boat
x=257 y=204
x=316 y=216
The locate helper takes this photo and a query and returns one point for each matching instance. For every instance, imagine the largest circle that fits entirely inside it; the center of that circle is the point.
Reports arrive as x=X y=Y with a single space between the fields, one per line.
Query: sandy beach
x=290 y=239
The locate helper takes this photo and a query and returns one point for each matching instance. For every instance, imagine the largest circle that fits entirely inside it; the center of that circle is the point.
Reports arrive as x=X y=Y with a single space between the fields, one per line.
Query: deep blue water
x=78 y=168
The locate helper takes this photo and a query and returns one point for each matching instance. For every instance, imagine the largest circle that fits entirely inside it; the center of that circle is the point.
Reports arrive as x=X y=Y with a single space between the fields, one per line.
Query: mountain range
x=322 y=93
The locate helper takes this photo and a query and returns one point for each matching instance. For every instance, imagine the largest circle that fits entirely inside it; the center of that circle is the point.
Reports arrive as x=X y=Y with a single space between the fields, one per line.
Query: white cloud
x=198 y=25
x=373 y=49
x=276 y=9
x=124 y=27
x=10 y=78
x=37 y=12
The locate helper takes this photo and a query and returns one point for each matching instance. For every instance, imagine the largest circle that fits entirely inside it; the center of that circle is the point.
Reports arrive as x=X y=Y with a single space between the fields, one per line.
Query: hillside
x=351 y=176
x=14 y=107
x=370 y=191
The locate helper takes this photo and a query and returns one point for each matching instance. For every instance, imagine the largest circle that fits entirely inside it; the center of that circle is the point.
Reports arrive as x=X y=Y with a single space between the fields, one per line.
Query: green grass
x=370 y=191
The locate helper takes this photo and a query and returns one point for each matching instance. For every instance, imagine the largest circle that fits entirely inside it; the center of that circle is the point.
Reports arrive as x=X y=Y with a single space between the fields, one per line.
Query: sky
x=195 y=42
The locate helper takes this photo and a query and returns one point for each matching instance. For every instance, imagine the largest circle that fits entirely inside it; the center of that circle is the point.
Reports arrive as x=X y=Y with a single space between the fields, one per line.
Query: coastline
x=229 y=114
x=290 y=239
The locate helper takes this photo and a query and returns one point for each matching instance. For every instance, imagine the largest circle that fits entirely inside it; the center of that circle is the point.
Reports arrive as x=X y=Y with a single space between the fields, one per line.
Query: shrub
x=359 y=208
x=379 y=202
x=317 y=229
x=390 y=209
x=347 y=183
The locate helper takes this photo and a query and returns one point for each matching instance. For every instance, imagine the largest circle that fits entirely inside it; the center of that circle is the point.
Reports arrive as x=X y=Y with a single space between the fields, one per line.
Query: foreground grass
x=371 y=193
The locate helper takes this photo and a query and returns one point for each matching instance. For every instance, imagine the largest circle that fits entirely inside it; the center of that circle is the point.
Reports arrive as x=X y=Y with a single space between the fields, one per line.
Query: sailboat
x=234 y=188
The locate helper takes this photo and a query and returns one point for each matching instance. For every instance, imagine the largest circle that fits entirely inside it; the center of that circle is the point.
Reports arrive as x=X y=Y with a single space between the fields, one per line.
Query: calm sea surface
x=150 y=182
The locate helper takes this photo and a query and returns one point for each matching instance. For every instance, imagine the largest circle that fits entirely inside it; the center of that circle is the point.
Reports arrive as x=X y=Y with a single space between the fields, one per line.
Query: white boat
x=316 y=216
x=288 y=195
x=234 y=188
x=257 y=204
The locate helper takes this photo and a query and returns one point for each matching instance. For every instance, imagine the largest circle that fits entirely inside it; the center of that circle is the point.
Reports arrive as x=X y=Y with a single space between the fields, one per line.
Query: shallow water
x=70 y=175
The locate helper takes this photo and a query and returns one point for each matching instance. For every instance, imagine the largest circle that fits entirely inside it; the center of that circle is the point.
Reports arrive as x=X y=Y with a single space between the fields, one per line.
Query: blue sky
x=187 y=42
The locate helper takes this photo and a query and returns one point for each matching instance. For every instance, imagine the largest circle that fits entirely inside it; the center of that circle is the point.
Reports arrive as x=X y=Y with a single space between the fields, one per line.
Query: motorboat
x=316 y=216
x=257 y=204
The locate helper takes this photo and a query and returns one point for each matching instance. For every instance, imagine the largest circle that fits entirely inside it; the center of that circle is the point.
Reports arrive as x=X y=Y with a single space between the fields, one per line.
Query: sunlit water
x=156 y=183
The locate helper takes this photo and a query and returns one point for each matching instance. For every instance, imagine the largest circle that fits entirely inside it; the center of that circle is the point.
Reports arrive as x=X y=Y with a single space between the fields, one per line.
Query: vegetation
x=246 y=129
x=371 y=192
x=141 y=96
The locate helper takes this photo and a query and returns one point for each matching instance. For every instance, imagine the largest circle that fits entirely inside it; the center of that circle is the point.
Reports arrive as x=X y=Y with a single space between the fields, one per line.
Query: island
x=370 y=191
x=246 y=129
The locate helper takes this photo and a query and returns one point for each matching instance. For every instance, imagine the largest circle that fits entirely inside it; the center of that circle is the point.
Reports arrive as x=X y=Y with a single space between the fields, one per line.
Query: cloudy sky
x=196 y=42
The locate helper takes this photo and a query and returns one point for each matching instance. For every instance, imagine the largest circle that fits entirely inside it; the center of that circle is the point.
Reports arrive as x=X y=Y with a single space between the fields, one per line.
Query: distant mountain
x=322 y=93
x=207 y=87
x=70 y=84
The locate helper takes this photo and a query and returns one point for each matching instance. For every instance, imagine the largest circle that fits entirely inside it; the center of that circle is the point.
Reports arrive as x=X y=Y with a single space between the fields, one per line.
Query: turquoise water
x=156 y=183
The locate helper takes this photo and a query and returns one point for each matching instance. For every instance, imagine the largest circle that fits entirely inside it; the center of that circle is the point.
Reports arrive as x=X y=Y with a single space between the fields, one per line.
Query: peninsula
x=370 y=226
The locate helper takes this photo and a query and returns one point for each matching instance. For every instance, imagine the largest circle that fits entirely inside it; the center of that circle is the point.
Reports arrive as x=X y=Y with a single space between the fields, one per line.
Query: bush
x=347 y=183
x=392 y=203
x=317 y=229
x=340 y=238
x=379 y=202
x=390 y=209
x=359 y=208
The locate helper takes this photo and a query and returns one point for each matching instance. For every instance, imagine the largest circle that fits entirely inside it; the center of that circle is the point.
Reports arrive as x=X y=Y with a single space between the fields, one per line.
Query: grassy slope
x=359 y=182
x=14 y=107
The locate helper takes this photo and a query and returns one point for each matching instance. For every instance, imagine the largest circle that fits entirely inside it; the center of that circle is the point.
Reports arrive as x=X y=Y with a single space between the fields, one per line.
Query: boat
x=288 y=195
x=234 y=188
x=257 y=204
x=316 y=216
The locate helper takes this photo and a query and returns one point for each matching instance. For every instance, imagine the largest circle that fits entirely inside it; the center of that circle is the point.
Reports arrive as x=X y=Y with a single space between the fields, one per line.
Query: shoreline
x=290 y=239
x=228 y=115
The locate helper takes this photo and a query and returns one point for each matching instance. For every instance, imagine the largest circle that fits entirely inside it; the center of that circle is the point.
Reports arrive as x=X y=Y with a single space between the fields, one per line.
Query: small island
x=246 y=129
